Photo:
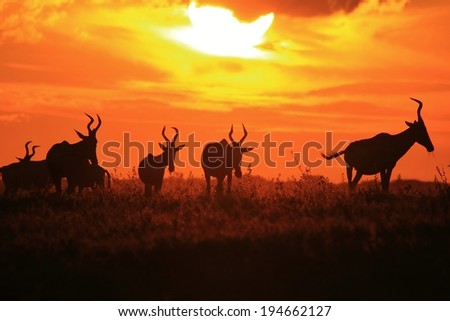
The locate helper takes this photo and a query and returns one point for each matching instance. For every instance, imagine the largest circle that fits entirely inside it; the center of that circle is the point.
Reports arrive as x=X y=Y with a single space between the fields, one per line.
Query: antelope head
x=420 y=130
x=238 y=151
x=28 y=156
x=169 y=149
x=89 y=142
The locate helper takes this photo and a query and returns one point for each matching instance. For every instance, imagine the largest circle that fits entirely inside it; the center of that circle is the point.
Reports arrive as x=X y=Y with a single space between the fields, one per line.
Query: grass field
x=301 y=239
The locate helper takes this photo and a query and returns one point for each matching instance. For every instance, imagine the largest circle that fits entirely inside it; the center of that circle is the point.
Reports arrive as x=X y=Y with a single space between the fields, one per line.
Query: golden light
x=216 y=31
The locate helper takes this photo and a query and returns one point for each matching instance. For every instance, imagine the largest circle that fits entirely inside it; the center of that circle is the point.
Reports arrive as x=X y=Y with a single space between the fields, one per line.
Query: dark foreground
x=305 y=239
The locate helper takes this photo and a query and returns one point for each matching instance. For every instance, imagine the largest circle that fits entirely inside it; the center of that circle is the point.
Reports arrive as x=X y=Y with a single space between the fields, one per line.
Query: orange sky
x=343 y=66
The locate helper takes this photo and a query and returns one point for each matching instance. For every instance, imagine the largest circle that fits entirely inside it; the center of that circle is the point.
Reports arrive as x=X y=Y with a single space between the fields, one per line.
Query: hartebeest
x=220 y=158
x=68 y=160
x=93 y=176
x=380 y=153
x=151 y=168
x=25 y=174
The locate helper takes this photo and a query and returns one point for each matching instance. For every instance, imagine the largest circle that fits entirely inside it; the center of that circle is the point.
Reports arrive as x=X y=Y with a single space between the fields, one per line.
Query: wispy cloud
x=22 y=21
x=381 y=88
x=248 y=9
x=14 y=117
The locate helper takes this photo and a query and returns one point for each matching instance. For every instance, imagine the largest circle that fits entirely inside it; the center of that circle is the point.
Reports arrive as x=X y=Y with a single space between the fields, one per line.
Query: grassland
x=301 y=239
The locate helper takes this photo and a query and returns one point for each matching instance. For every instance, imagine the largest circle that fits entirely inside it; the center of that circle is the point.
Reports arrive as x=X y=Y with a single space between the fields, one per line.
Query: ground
x=300 y=239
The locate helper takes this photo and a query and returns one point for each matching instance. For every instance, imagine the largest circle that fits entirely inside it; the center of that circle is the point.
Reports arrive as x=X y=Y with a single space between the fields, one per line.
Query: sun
x=216 y=31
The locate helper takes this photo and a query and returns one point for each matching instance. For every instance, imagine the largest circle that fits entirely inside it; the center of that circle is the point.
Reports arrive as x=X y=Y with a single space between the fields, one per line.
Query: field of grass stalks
x=300 y=239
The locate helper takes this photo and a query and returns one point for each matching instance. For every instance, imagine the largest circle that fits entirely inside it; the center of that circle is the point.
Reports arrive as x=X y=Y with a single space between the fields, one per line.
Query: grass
x=301 y=239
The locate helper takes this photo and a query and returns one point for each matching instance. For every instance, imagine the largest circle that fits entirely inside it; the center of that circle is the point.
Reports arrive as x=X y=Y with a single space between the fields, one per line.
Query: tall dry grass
x=303 y=223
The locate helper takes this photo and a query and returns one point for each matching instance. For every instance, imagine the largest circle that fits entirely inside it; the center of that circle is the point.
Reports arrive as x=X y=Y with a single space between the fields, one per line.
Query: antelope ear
x=80 y=135
x=180 y=147
x=409 y=124
x=162 y=146
x=247 y=149
x=19 y=159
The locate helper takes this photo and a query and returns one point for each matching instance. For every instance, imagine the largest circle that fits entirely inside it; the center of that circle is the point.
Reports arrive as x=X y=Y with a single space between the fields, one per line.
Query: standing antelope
x=67 y=160
x=380 y=153
x=219 y=160
x=25 y=174
x=151 y=168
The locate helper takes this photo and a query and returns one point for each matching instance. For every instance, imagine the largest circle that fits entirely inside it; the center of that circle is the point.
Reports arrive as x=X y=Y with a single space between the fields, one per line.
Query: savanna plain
x=304 y=238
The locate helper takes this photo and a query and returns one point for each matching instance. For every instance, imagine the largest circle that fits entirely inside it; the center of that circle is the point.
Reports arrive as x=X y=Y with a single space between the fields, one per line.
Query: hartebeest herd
x=78 y=162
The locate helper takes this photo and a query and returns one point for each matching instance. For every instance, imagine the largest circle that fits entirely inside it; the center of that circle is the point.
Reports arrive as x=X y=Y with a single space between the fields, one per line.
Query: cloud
x=55 y=61
x=22 y=21
x=13 y=117
x=381 y=88
x=381 y=6
x=250 y=9
x=26 y=21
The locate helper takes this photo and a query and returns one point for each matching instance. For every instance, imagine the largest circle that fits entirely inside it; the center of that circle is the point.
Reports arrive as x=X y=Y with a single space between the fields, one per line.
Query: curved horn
x=27 y=152
x=419 y=109
x=176 y=134
x=91 y=121
x=245 y=135
x=34 y=150
x=230 y=135
x=99 y=124
x=164 y=135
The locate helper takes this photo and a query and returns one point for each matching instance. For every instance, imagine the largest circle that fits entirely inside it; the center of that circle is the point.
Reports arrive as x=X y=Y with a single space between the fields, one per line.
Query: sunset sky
x=341 y=66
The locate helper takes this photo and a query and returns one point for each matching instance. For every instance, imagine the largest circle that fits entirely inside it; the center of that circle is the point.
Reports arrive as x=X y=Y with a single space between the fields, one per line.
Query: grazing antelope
x=25 y=174
x=151 y=168
x=93 y=176
x=380 y=153
x=68 y=160
x=219 y=160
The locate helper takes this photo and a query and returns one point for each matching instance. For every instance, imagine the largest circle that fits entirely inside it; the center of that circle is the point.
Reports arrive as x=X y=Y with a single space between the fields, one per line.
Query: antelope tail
x=333 y=155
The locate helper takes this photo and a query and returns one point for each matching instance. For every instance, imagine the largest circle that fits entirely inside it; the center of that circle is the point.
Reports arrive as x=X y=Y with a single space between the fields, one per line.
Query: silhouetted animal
x=151 y=168
x=25 y=174
x=93 y=176
x=380 y=154
x=219 y=160
x=68 y=160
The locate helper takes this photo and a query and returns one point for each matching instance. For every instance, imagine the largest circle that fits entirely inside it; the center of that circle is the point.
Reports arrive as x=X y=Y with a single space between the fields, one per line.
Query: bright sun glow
x=216 y=31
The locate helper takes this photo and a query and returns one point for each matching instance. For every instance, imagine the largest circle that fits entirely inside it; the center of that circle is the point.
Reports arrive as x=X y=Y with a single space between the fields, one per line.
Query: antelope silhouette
x=93 y=176
x=220 y=158
x=380 y=153
x=69 y=160
x=151 y=168
x=25 y=174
